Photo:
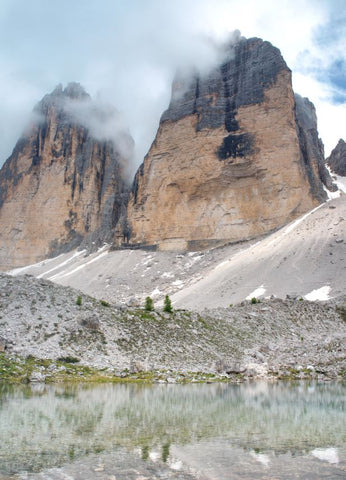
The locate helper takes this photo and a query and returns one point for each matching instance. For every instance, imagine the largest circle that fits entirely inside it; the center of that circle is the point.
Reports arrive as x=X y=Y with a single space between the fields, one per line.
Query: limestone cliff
x=227 y=163
x=312 y=148
x=337 y=159
x=60 y=184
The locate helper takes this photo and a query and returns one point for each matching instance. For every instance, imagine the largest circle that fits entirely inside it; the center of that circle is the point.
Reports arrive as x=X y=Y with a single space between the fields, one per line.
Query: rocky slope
x=235 y=156
x=61 y=183
x=337 y=159
x=275 y=337
x=305 y=258
x=306 y=255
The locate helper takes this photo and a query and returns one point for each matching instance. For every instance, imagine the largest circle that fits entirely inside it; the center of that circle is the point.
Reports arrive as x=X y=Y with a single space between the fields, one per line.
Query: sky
x=126 y=52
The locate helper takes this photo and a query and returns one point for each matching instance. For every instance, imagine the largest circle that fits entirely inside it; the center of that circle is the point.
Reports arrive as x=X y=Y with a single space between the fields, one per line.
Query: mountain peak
x=337 y=159
x=76 y=91
x=59 y=96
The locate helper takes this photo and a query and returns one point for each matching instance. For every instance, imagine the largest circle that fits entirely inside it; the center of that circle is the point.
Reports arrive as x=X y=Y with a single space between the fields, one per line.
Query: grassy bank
x=15 y=369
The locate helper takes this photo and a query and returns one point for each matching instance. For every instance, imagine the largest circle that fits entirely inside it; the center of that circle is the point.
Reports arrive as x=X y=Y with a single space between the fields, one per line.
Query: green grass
x=19 y=370
x=104 y=303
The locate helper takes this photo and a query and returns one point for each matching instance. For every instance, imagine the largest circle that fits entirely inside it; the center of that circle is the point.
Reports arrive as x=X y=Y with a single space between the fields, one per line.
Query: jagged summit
x=60 y=96
x=236 y=156
x=233 y=157
x=73 y=90
x=249 y=67
x=61 y=183
x=337 y=159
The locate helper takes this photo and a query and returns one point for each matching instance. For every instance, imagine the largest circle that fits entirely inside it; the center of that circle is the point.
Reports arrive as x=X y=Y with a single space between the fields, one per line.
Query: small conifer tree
x=167 y=305
x=149 y=306
x=79 y=300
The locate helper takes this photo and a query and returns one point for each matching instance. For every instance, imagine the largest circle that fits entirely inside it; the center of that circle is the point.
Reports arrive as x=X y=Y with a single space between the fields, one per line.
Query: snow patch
x=66 y=274
x=256 y=293
x=154 y=456
x=155 y=292
x=222 y=264
x=65 y=262
x=329 y=455
x=293 y=225
x=196 y=259
x=341 y=183
x=147 y=260
x=178 y=283
x=167 y=275
x=18 y=271
x=332 y=195
x=338 y=180
x=261 y=458
x=97 y=258
x=175 y=464
x=318 y=294
x=104 y=246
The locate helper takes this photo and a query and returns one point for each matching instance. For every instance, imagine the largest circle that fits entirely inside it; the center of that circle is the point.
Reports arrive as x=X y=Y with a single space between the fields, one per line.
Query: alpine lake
x=256 y=430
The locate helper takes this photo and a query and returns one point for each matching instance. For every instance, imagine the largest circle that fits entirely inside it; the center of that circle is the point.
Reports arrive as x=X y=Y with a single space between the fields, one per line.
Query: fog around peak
x=126 y=54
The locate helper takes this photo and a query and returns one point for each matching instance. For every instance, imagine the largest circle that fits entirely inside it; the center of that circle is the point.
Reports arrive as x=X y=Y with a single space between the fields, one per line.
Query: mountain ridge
x=233 y=142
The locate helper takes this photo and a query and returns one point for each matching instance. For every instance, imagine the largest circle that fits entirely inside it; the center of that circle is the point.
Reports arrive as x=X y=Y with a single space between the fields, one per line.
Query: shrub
x=149 y=306
x=167 y=305
x=254 y=300
x=79 y=300
x=68 y=359
x=341 y=309
x=104 y=303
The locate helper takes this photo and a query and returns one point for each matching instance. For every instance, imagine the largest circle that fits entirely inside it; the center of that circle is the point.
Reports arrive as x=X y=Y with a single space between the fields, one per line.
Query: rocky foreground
x=50 y=332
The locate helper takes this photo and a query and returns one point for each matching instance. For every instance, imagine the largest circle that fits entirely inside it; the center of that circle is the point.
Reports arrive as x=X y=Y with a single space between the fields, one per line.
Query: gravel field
x=280 y=338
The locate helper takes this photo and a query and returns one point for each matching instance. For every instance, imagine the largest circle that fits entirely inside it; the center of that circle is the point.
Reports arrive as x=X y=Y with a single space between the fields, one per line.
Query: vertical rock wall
x=227 y=161
x=337 y=159
x=59 y=185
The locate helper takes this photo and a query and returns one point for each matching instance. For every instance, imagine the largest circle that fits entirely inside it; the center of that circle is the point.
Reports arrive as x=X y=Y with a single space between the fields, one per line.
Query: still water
x=216 y=431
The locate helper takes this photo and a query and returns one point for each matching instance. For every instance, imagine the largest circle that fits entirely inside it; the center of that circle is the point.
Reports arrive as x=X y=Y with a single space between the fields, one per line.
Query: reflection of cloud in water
x=329 y=455
x=58 y=423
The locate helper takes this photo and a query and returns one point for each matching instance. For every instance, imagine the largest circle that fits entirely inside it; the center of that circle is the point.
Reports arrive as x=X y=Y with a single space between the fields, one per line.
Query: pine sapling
x=149 y=306
x=167 y=305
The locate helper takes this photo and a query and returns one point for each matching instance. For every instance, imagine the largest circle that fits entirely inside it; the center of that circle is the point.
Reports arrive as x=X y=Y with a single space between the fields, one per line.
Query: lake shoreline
x=31 y=370
x=132 y=431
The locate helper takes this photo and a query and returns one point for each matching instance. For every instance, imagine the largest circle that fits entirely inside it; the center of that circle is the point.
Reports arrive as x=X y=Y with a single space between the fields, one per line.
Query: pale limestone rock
x=59 y=185
x=226 y=164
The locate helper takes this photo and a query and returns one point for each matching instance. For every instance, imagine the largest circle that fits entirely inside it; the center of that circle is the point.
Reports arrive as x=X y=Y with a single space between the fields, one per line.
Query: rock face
x=337 y=159
x=60 y=184
x=234 y=157
x=311 y=147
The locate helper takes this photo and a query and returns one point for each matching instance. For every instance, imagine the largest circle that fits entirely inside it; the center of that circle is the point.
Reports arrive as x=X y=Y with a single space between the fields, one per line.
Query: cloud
x=104 y=123
x=330 y=116
x=126 y=52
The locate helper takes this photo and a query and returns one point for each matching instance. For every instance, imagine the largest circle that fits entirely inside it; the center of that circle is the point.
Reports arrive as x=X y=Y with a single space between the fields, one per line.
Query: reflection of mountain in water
x=48 y=425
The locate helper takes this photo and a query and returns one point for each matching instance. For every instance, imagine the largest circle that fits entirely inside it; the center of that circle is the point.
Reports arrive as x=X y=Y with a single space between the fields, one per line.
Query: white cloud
x=127 y=52
x=331 y=117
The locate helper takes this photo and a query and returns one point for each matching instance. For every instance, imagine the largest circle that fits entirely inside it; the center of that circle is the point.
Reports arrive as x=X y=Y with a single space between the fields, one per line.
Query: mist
x=125 y=53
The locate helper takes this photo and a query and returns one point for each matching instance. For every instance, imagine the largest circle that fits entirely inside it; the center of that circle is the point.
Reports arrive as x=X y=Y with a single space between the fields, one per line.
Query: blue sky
x=127 y=51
